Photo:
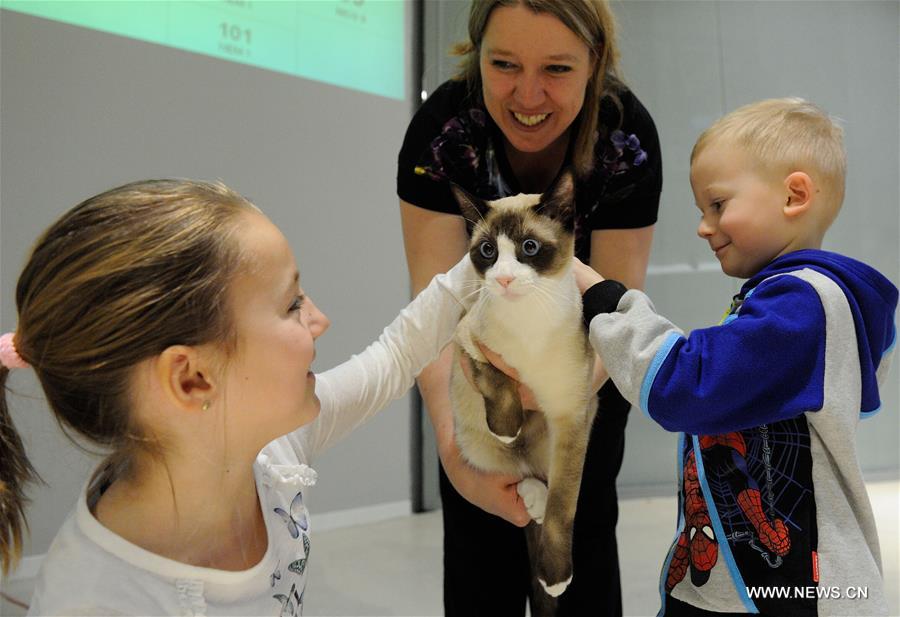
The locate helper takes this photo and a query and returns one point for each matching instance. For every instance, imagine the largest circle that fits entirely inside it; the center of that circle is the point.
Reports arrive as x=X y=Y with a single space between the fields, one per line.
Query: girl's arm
x=353 y=391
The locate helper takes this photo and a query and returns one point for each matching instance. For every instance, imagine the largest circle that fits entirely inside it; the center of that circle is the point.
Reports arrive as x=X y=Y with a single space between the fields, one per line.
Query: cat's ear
x=558 y=203
x=473 y=208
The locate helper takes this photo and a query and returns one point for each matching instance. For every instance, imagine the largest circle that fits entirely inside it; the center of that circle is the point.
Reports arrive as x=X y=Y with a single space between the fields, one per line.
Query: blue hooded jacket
x=766 y=361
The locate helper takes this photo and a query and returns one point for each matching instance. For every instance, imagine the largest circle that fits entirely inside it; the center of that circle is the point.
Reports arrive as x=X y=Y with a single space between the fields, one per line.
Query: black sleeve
x=631 y=171
x=601 y=298
x=416 y=184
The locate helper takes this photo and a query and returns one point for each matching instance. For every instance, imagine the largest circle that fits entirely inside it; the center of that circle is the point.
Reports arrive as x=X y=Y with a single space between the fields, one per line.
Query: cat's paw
x=557 y=589
x=534 y=493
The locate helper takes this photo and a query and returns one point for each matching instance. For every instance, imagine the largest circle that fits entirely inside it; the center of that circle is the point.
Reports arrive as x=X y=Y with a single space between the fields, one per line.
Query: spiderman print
x=763 y=516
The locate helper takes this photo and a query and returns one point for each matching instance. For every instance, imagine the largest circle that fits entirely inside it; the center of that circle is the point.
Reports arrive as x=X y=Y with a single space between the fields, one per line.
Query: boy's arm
x=764 y=365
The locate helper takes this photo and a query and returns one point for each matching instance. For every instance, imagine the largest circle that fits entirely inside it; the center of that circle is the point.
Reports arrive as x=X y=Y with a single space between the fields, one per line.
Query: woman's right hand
x=494 y=493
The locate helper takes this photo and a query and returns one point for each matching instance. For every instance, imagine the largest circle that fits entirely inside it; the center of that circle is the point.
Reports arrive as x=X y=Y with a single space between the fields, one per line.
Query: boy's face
x=742 y=210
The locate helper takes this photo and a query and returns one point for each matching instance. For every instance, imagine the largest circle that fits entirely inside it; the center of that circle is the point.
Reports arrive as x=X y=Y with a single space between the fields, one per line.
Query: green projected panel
x=355 y=44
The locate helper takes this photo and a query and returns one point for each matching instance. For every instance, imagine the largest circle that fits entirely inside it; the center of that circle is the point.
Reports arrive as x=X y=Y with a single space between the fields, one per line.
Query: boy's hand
x=585 y=276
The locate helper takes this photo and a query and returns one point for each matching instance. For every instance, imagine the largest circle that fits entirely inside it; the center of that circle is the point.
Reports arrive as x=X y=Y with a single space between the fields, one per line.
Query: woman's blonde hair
x=594 y=23
x=116 y=280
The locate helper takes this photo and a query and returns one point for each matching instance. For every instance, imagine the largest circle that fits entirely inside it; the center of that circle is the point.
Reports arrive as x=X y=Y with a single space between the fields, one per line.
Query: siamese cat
x=528 y=309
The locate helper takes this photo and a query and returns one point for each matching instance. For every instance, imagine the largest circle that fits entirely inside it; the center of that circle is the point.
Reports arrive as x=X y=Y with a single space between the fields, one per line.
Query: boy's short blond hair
x=784 y=136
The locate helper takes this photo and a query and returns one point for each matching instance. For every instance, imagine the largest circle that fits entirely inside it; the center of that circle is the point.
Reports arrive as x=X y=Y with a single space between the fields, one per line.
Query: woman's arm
x=435 y=241
x=622 y=254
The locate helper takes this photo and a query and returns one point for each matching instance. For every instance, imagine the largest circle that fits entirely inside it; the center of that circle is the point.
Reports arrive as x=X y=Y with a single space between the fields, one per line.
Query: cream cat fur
x=528 y=310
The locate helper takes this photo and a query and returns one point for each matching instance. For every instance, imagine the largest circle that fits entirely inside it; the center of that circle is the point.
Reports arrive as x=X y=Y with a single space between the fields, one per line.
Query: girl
x=165 y=322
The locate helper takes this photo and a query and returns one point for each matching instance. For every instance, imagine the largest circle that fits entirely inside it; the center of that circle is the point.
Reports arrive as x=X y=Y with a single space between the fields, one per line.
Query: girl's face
x=534 y=73
x=269 y=388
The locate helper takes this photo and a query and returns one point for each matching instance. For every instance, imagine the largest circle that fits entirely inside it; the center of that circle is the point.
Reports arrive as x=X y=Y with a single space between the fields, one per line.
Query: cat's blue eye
x=487 y=250
x=531 y=247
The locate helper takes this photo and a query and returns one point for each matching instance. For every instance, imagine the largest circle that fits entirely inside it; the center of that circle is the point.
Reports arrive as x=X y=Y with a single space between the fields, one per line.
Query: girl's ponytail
x=15 y=472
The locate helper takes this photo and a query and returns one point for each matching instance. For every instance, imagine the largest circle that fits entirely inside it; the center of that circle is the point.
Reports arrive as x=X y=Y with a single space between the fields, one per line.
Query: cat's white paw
x=504 y=439
x=557 y=589
x=534 y=493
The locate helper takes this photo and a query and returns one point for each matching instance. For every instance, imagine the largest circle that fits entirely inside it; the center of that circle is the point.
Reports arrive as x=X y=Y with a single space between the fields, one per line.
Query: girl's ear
x=185 y=378
x=801 y=191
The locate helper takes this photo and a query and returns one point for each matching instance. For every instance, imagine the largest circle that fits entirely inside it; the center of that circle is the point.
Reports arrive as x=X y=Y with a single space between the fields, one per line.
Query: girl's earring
x=205 y=406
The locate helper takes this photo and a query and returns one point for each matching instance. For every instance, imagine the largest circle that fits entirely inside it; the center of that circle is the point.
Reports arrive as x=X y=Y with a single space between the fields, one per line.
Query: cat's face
x=517 y=241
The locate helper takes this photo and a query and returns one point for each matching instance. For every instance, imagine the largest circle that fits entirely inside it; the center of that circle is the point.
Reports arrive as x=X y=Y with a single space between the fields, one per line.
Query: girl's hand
x=585 y=276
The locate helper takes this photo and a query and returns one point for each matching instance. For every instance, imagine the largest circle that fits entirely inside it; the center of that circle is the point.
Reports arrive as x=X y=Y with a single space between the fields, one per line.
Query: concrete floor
x=394 y=567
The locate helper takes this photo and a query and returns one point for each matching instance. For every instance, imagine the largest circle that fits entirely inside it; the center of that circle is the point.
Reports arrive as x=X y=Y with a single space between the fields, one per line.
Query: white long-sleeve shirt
x=89 y=570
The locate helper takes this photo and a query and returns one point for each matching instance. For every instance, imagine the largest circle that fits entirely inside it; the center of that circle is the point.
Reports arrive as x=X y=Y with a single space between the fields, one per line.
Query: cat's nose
x=505 y=281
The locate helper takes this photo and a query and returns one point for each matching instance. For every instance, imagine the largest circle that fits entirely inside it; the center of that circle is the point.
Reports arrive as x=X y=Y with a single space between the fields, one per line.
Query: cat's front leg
x=569 y=435
x=534 y=493
x=502 y=406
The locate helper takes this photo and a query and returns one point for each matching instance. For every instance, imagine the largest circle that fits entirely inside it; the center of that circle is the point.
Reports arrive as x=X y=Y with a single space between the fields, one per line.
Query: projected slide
x=355 y=44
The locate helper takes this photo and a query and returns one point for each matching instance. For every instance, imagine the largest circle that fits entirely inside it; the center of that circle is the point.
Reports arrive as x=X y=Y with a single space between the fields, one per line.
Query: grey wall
x=82 y=111
x=692 y=61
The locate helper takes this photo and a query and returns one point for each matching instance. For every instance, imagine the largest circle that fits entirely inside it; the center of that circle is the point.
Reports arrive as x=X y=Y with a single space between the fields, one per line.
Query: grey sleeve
x=630 y=341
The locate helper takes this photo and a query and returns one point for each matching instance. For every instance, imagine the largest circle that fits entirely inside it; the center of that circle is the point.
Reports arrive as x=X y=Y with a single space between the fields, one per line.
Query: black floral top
x=453 y=138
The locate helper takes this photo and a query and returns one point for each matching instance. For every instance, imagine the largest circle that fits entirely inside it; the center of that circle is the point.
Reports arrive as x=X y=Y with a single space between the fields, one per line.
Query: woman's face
x=534 y=73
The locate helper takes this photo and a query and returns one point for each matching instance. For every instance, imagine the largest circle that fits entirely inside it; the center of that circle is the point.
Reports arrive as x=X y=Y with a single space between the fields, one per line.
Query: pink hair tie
x=9 y=357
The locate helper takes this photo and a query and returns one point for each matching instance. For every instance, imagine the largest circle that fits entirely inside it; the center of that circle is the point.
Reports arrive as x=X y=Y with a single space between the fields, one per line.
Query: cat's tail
x=542 y=604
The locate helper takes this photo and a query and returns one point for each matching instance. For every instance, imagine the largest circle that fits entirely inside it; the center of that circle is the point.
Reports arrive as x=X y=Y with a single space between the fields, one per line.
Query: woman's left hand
x=525 y=394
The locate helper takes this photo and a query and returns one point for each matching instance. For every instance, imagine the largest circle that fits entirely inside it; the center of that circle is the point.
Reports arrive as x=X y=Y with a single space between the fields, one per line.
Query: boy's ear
x=185 y=378
x=801 y=191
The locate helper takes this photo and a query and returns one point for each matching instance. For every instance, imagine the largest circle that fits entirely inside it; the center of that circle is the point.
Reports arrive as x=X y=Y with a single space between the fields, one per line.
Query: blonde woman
x=538 y=90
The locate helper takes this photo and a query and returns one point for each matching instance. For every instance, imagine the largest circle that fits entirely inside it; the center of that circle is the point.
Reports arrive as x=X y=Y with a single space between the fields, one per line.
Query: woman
x=538 y=91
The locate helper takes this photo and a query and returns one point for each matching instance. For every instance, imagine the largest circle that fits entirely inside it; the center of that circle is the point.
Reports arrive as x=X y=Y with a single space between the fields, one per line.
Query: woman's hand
x=585 y=276
x=495 y=493
x=525 y=394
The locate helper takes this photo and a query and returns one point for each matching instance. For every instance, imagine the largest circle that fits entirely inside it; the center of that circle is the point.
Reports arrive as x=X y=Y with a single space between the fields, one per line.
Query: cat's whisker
x=545 y=303
x=546 y=288
x=474 y=223
x=548 y=293
x=542 y=304
x=468 y=295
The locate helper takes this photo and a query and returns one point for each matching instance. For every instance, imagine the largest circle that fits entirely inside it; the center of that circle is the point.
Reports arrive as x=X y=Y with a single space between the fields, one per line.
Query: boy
x=773 y=512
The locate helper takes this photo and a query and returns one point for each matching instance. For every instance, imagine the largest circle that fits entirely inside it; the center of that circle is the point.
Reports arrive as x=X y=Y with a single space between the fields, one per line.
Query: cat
x=527 y=309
